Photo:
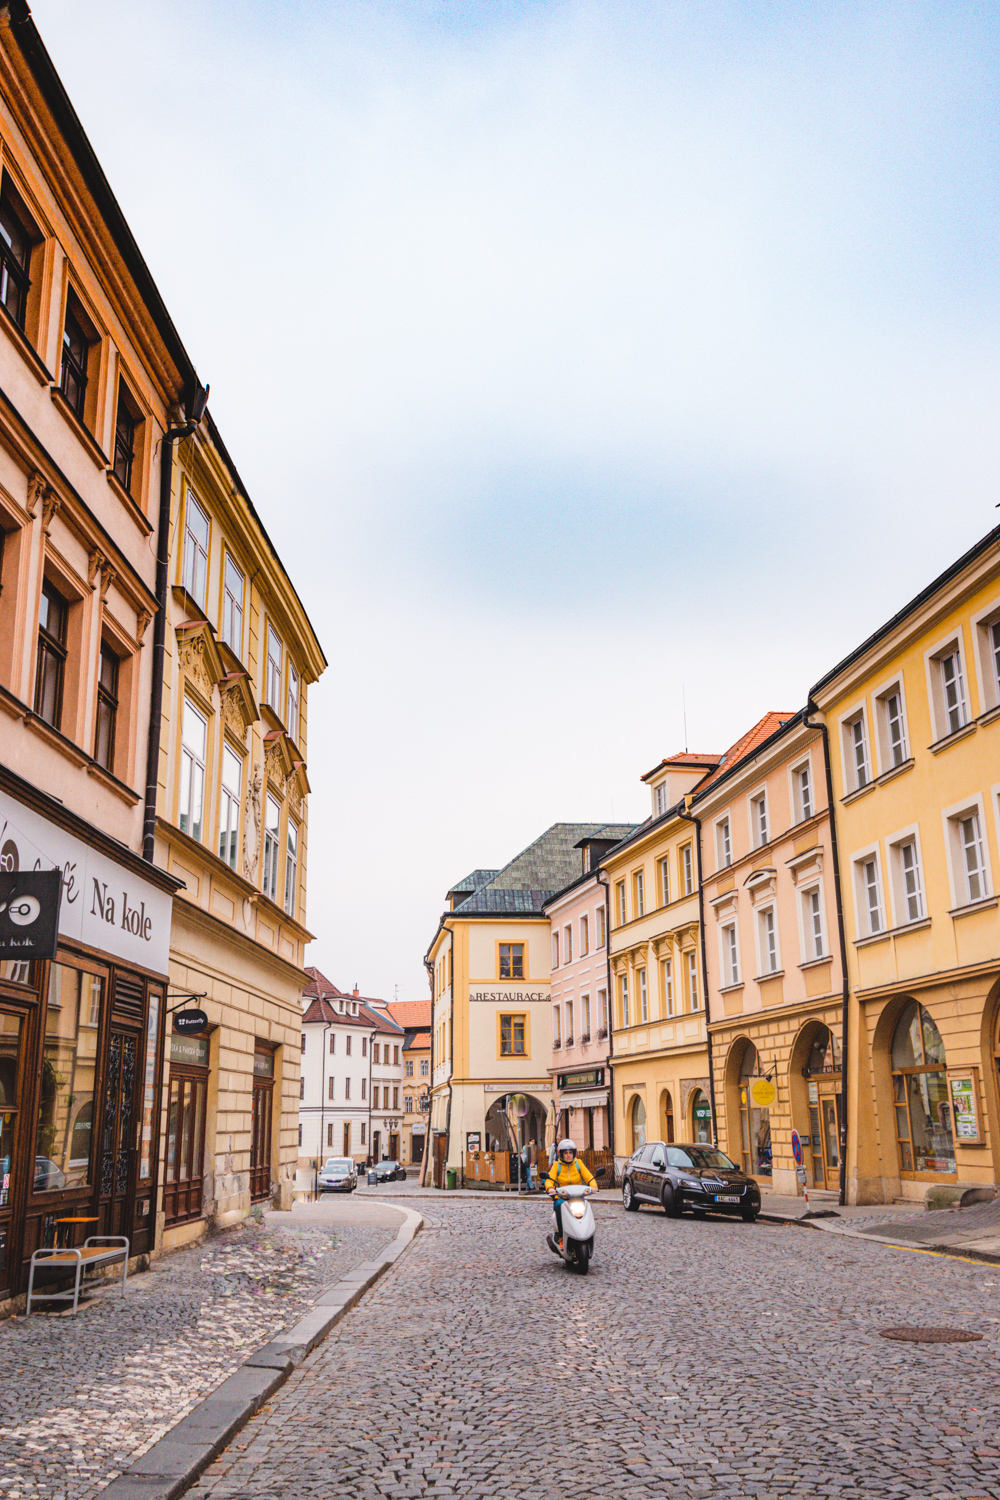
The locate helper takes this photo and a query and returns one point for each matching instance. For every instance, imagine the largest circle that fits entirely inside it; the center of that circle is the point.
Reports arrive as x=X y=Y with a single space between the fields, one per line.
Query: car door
x=655 y=1172
x=644 y=1174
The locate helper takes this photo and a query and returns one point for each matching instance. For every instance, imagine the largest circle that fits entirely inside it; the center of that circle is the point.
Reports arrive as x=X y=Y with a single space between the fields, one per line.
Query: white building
x=351 y=1076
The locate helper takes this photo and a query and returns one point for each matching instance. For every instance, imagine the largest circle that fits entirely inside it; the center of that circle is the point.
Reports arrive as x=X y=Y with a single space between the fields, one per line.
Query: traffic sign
x=796 y=1148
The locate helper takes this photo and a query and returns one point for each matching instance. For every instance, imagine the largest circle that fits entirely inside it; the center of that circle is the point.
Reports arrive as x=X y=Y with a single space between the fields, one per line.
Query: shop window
x=50 y=672
x=755 y=1123
x=68 y=1080
x=10 y=1056
x=920 y=1094
x=512 y=1036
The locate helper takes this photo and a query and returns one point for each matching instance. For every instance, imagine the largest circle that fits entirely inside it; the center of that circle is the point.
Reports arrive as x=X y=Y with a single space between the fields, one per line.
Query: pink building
x=581 y=1078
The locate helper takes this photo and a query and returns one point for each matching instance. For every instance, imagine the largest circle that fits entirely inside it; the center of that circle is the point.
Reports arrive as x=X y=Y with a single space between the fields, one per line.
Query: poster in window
x=965 y=1106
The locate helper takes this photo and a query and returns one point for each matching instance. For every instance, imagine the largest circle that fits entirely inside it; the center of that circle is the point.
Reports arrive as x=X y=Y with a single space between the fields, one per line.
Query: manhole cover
x=910 y=1335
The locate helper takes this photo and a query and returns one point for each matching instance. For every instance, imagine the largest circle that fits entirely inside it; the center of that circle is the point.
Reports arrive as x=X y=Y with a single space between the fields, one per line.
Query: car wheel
x=749 y=1215
x=673 y=1205
x=628 y=1197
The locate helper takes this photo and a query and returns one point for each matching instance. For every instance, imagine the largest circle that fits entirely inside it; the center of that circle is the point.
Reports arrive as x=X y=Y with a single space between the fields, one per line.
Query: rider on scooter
x=566 y=1169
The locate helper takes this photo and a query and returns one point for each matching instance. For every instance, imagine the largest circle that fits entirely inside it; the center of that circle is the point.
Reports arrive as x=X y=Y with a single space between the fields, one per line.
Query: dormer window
x=660 y=799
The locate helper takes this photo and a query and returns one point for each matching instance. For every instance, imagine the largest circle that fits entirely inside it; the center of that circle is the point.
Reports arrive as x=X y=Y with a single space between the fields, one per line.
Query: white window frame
x=623 y=997
x=602 y=936
x=192 y=553
x=585 y=1012
x=270 y=850
x=694 y=988
x=958 y=874
x=987 y=669
x=584 y=935
x=859 y=886
x=557 y=1025
x=660 y=805
x=272 y=668
x=642 y=987
x=291 y=866
x=729 y=953
x=667 y=985
x=555 y=950
x=639 y=892
x=807 y=932
x=934 y=658
x=570 y=1033
x=765 y=967
x=292 y=702
x=664 y=868
x=622 y=910
x=898 y=894
x=193 y=763
x=232 y=608
x=688 y=878
x=796 y=802
x=883 y=742
x=723 y=842
x=230 y=801
x=755 y=798
x=857 y=715
x=568 y=943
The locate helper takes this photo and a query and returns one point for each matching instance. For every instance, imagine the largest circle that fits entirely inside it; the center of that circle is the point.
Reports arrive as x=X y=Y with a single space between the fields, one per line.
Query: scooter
x=577 y=1226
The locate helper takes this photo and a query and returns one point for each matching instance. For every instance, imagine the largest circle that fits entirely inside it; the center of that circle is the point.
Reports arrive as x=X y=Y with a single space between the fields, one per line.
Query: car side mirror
x=658 y=1163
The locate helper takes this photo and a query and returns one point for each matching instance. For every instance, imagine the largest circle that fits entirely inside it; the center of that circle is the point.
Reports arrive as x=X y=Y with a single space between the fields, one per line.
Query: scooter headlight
x=577 y=1208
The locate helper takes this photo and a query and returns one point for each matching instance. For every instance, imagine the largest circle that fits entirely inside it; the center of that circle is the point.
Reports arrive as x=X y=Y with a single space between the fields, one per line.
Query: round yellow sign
x=763 y=1093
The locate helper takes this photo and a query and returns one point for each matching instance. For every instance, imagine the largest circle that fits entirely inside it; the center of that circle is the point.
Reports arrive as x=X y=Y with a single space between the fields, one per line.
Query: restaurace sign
x=103 y=904
x=510 y=997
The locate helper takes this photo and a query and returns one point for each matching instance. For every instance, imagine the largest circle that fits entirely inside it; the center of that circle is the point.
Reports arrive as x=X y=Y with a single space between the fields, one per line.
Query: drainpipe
x=845 y=1004
x=322 y=1097
x=690 y=818
x=172 y=435
x=429 y=1135
x=602 y=878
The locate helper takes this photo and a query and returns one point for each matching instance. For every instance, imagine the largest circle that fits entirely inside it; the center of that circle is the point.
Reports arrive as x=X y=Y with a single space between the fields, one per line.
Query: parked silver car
x=338 y=1175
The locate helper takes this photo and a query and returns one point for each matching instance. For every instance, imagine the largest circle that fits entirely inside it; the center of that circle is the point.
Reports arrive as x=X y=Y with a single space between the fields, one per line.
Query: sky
x=588 y=362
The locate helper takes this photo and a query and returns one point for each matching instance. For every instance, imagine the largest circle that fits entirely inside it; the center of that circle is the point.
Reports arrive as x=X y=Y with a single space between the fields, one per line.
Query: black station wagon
x=700 y=1178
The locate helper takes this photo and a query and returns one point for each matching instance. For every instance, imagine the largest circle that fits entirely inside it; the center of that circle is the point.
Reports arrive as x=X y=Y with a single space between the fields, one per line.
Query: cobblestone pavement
x=698 y=1358
x=81 y=1397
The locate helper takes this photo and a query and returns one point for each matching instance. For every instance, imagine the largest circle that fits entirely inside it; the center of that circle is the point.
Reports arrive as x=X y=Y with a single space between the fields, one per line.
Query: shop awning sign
x=762 y=1093
x=29 y=913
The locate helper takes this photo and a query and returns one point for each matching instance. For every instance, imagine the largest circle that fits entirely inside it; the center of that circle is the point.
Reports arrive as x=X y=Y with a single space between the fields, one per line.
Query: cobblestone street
x=698 y=1358
x=81 y=1397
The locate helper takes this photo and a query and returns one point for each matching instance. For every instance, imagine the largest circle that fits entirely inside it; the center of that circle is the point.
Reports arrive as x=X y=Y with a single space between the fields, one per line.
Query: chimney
x=356 y=993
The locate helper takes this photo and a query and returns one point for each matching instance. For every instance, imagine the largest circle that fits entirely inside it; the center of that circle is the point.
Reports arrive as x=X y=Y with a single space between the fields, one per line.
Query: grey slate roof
x=472 y=882
x=524 y=885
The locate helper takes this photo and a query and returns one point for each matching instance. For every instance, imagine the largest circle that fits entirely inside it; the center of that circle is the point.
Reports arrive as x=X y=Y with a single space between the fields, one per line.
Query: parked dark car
x=387 y=1171
x=679 y=1177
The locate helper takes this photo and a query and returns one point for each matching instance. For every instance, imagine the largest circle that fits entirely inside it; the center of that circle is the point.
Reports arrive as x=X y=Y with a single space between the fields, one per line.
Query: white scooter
x=577 y=1226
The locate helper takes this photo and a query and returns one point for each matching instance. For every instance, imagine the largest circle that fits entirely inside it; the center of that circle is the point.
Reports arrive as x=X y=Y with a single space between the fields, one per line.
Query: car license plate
x=727 y=1198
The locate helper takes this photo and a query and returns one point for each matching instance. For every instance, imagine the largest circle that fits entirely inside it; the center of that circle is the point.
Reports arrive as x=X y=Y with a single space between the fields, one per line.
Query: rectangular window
x=664 y=882
x=600 y=927
x=107 y=709
x=860 y=764
x=330 y=1085
x=408 y=1104
x=329 y=1137
x=408 y=1068
x=16 y=237
x=812 y=924
x=291 y=867
x=620 y=895
x=395 y=1057
x=623 y=986
x=584 y=936
x=77 y=338
x=585 y=1002
x=303 y=1041
x=687 y=870
x=555 y=950
x=730 y=954
x=988 y=631
x=667 y=986
x=512 y=1032
x=661 y=799
x=376 y=1052
x=229 y=806
x=51 y=668
x=640 y=979
x=909 y=880
x=569 y=1023
x=425 y=1067
x=639 y=894
x=891 y=728
x=802 y=792
x=127 y=419
x=870 y=896
x=511 y=960
x=292 y=716
x=269 y=875
x=557 y=1025
x=196 y=534
x=347 y=1086
x=723 y=844
x=758 y=819
x=956 y=708
x=364 y=1127
x=272 y=683
x=194 y=735
x=64 y=1135
x=333 y=1043
x=233 y=588
x=602 y=1011
x=768 y=939
x=395 y=1098
x=973 y=856
x=692 y=968
x=347 y=1045
x=568 y=944
x=364 y=1045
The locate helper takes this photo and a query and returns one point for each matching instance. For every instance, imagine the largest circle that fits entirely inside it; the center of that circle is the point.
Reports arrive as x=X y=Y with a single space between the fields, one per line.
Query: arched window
x=638 y=1123
x=920 y=1093
x=701 y=1116
x=824 y=1054
x=755 y=1124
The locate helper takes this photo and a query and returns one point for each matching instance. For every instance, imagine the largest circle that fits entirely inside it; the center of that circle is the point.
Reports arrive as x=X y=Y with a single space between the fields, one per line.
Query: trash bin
x=451 y=1178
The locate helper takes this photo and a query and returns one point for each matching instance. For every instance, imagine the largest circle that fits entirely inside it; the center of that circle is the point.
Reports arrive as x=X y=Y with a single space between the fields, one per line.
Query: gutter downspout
x=322 y=1097
x=845 y=1015
x=371 y=1050
x=602 y=877
x=429 y=1137
x=160 y=618
x=691 y=818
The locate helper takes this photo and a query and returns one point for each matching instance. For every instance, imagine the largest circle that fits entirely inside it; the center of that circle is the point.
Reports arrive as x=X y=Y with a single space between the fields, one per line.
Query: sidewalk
x=83 y=1397
x=972 y=1232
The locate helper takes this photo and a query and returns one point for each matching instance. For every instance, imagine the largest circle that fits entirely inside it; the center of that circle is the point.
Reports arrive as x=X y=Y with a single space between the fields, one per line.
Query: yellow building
x=913 y=720
x=232 y=825
x=661 y=1074
x=492 y=1036
x=415 y=1018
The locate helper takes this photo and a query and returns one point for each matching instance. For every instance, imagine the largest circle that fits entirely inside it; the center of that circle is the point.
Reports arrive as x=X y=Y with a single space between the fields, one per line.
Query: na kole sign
x=103 y=904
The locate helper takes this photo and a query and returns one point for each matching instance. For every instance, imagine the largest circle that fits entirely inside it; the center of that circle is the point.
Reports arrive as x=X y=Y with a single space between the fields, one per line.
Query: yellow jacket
x=576 y=1175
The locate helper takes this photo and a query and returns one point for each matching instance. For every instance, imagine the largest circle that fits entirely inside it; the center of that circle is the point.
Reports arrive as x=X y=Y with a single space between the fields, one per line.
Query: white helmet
x=566 y=1145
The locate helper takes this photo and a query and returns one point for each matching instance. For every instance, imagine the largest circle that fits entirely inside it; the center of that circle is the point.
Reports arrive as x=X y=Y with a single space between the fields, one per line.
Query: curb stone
x=967 y=1252
x=173 y=1463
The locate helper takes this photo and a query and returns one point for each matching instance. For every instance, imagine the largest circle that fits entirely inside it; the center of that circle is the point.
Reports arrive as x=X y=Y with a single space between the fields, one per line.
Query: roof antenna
x=685 y=711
